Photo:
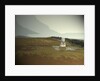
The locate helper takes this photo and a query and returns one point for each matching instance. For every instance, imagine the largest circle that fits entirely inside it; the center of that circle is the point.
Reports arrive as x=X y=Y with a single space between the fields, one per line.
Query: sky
x=63 y=24
x=67 y=26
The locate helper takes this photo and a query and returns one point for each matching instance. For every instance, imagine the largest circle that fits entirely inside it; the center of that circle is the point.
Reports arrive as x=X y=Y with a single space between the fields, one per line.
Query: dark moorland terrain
x=40 y=51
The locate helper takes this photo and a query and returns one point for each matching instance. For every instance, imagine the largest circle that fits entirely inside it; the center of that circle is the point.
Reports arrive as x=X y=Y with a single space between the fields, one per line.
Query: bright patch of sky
x=63 y=24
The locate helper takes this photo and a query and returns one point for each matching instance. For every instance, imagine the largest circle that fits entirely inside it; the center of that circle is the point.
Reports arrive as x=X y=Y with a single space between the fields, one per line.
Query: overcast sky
x=71 y=26
x=63 y=24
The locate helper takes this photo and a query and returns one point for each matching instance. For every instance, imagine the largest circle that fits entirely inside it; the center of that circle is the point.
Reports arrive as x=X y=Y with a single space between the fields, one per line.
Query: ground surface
x=40 y=51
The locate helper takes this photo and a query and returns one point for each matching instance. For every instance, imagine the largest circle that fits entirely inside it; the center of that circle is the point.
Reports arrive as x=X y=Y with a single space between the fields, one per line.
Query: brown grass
x=39 y=51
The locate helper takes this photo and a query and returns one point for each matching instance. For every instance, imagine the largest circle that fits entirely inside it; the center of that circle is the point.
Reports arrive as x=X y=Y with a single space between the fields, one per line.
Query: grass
x=34 y=51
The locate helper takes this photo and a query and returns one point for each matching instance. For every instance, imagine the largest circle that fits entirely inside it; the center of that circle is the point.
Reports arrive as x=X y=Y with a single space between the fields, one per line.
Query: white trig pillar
x=63 y=43
x=63 y=39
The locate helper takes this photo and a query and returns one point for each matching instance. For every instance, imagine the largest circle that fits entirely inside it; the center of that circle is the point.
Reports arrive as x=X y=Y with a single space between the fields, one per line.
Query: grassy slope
x=40 y=51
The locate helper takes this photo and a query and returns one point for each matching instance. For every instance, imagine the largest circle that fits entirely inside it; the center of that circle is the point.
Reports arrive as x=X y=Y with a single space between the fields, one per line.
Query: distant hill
x=22 y=37
x=21 y=31
x=76 y=42
x=25 y=26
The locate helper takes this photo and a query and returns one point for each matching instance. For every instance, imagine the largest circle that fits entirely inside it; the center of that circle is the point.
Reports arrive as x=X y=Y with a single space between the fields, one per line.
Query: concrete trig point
x=63 y=43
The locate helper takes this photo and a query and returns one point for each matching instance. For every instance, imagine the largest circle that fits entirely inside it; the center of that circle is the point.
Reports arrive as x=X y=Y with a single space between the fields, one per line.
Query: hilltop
x=30 y=51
